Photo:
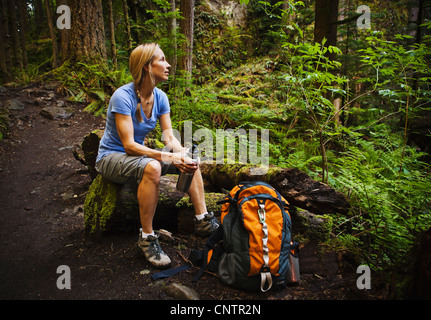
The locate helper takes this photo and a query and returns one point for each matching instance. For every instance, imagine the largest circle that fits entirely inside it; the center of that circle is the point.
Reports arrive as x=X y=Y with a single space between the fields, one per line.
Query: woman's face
x=160 y=67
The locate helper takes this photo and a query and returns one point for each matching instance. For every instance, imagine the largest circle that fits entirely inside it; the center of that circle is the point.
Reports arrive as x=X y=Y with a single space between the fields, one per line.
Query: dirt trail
x=42 y=191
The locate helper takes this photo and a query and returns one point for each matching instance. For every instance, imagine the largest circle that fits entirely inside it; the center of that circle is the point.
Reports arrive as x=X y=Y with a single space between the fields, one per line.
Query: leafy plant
x=389 y=192
x=401 y=74
x=92 y=84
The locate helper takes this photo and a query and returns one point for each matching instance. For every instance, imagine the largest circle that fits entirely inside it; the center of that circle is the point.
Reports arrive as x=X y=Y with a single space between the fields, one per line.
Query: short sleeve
x=163 y=104
x=120 y=103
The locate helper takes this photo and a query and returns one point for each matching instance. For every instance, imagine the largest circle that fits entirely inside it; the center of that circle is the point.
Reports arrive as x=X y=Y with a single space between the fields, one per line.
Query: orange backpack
x=253 y=247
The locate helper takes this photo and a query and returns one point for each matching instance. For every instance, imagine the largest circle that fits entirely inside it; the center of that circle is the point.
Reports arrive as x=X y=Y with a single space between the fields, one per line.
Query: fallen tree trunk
x=110 y=206
x=296 y=186
x=107 y=202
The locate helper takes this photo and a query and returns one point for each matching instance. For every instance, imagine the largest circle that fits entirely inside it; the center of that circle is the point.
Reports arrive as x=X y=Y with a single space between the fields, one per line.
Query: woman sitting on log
x=132 y=113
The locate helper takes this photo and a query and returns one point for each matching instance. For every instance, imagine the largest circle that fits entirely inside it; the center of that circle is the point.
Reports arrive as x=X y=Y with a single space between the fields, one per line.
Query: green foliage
x=397 y=71
x=92 y=84
x=385 y=179
x=218 y=46
x=389 y=193
x=311 y=82
x=156 y=27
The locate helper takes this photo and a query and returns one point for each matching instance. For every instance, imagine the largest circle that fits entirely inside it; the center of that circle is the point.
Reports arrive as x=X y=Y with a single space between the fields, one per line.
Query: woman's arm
x=178 y=158
x=169 y=138
x=125 y=131
x=173 y=144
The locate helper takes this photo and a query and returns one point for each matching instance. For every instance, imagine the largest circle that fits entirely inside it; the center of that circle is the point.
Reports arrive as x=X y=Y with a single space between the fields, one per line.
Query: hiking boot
x=153 y=253
x=207 y=225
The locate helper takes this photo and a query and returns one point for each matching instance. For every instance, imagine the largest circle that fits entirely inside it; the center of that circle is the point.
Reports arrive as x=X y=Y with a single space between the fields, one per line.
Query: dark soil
x=42 y=192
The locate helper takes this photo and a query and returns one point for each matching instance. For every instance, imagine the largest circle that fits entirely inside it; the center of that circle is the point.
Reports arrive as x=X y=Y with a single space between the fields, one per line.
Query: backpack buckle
x=265 y=278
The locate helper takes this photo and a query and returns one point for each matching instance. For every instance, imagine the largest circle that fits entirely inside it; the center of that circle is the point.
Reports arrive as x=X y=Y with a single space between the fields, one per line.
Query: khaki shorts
x=122 y=168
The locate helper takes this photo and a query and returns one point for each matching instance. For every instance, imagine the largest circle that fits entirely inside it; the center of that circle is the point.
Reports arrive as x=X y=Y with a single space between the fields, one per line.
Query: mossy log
x=108 y=204
x=111 y=206
x=296 y=186
x=99 y=205
x=313 y=227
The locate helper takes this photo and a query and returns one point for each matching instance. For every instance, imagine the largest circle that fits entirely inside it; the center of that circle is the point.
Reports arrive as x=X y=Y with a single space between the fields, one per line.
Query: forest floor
x=42 y=192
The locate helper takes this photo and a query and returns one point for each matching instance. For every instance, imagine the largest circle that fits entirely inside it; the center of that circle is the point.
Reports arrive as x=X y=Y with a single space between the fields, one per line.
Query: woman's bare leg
x=148 y=195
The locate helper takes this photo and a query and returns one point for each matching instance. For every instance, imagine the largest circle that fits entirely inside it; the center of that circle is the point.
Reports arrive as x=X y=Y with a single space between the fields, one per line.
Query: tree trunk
x=134 y=15
x=296 y=186
x=5 y=59
x=172 y=34
x=415 y=20
x=52 y=36
x=23 y=27
x=40 y=19
x=88 y=36
x=288 y=16
x=325 y=23
x=106 y=199
x=64 y=36
x=187 y=28
x=23 y=12
x=112 y=32
x=13 y=32
x=127 y=25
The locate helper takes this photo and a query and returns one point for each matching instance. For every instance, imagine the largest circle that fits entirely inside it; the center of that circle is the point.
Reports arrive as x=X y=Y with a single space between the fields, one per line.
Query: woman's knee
x=153 y=171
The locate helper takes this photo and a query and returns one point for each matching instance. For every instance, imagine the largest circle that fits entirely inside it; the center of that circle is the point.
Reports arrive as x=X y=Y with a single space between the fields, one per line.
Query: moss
x=184 y=203
x=4 y=122
x=272 y=171
x=211 y=199
x=229 y=98
x=221 y=82
x=325 y=227
x=155 y=143
x=99 y=205
x=243 y=173
x=311 y=226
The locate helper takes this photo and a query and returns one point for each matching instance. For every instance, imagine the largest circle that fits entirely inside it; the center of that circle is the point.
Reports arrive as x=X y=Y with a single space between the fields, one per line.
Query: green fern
x=391 y=204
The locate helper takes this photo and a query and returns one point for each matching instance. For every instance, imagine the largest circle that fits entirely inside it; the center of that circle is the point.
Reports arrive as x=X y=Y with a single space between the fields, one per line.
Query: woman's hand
x=183 y=162
x=178 y=158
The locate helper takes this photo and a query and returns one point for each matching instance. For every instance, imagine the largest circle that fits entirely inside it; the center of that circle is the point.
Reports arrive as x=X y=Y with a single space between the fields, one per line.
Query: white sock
x=145 y=235
x=200 y=216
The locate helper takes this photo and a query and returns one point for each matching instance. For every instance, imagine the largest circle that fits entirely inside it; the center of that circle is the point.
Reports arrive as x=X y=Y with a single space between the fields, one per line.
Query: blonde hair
x=140 y=57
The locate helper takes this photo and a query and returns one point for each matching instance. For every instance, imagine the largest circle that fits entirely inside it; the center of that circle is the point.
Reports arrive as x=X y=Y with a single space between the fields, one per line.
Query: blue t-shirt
x=124 y=101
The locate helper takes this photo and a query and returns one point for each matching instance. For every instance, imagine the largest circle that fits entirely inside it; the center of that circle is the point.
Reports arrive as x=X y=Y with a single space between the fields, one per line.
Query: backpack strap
x=215 y=238
x=170 y=272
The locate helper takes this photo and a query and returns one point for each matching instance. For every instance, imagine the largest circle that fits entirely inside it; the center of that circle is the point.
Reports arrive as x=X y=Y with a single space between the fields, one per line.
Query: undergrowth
x=90 y=83
x=385 y=180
